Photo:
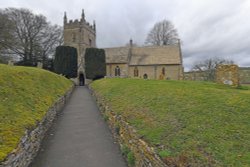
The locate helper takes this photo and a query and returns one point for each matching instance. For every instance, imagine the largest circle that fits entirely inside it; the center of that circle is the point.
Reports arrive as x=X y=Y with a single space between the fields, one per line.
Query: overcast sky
x=207 y=28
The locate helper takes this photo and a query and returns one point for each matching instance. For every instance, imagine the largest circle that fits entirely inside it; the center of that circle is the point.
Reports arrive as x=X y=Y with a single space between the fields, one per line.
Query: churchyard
x=188 y=123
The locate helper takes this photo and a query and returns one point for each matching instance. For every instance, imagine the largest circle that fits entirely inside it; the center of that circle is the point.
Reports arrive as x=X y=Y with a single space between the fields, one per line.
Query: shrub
x=95 y=64
x=65 y=62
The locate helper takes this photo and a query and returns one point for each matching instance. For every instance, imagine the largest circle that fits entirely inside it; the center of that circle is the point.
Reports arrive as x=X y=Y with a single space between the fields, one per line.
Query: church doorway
x=81 y=79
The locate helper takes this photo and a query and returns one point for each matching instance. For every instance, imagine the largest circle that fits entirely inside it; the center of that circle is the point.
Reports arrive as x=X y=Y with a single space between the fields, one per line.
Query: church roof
x=155 y=55
x=117 y=55
x=148 y=55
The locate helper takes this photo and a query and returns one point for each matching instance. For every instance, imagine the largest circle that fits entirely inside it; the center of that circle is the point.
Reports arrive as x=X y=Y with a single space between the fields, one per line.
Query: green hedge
x=95 y=64
x=66 y=61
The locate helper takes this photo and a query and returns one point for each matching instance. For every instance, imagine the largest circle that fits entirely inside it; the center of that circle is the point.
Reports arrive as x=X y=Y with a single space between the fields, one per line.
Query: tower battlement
x=79 y=23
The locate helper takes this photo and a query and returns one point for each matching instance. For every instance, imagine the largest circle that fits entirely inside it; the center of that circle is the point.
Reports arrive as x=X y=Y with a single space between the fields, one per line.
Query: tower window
x=90 y=42
x=73 y=37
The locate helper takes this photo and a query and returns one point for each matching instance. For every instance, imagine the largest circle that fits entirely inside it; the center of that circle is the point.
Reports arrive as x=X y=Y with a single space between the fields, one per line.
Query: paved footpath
x=79 y=137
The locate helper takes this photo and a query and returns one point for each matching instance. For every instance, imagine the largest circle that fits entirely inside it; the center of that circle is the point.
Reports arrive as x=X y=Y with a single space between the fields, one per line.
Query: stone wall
x=228 y=75
x=29 y=145
x=126 y=135
x=244 y=74
x=110 y=69
x=195 y=76
x=172 y=72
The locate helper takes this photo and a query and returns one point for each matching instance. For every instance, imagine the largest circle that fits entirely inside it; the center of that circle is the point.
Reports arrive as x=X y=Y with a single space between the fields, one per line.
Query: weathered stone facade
x=80 y=35
x=152 y=62
x=30 y=143
x=228 y=75
x=126 y=135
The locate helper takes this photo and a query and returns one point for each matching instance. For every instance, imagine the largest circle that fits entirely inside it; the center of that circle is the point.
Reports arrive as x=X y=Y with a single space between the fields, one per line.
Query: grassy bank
x=200 y=123
x=25 y=96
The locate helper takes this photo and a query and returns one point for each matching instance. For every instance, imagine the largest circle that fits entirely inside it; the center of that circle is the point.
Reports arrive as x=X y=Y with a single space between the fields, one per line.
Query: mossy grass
x=25 y=96
x=204 y=122
x=164 y=153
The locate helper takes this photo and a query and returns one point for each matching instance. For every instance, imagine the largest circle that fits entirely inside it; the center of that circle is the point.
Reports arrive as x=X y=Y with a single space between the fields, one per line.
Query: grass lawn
x=25 y=95
x=206 y=123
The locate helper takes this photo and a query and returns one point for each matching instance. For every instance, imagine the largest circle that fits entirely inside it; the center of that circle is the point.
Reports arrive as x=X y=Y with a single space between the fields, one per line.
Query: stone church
x=148 y=62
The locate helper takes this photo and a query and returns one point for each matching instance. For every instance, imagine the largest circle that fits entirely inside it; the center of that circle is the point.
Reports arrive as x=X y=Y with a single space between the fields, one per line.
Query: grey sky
x=207 y=28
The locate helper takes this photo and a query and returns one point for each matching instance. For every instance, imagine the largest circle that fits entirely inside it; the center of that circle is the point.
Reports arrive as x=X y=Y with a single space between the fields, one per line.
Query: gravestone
x=10 y=63
x=228 y=75
x=39 y=65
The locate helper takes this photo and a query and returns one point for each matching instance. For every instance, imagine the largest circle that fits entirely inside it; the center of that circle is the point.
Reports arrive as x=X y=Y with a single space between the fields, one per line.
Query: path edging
x=30 y=143
x=126 y=135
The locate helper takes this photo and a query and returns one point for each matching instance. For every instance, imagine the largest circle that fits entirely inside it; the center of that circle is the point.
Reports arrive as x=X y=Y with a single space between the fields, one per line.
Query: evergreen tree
x=95 y=64
x=65 y=62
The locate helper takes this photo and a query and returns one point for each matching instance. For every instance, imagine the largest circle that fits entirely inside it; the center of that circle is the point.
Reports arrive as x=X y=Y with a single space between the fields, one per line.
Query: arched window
x=136 y=72
x=73 y=37
x=163 y=71
x=117 y=71
x=145 y=76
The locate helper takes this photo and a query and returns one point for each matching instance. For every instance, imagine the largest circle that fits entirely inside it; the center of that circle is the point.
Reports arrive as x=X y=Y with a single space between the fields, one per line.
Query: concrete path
x=79 y=137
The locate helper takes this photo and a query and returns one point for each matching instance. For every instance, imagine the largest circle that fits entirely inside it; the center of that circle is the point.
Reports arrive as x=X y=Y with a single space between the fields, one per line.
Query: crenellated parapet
x=71 y=24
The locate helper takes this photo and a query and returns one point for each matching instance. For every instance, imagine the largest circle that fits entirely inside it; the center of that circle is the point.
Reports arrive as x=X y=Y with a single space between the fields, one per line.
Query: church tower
x=80 y=35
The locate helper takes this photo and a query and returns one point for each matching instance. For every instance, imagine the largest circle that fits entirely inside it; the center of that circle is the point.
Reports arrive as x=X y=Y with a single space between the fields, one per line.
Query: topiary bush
x=65 y=62
x=95 y=63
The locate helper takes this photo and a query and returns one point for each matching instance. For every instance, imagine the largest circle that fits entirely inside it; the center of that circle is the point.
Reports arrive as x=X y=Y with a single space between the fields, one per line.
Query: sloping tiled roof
x=117 y=55
x=155 y=55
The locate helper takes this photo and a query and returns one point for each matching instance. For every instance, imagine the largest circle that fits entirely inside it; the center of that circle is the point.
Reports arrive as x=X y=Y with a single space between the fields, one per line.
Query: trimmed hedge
x=95 y=64
x=65 y=62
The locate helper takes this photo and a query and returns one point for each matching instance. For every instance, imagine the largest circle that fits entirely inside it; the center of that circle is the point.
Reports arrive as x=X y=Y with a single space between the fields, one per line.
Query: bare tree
x=163 y=33
x=50 y=38
x=6 y=30
x=207 y=67
x=32 y=38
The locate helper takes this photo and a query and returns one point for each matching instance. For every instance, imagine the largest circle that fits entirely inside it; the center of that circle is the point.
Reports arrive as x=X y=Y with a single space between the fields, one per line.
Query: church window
x=163 y=71
x=136 y=72
x=117 y=71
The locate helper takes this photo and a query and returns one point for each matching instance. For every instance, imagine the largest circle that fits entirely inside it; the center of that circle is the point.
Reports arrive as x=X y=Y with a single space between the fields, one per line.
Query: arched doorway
x=81 y=79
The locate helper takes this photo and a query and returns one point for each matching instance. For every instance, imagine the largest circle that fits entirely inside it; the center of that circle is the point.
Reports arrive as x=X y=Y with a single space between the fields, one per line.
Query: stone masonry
x=81 y=35
x=228 y=75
